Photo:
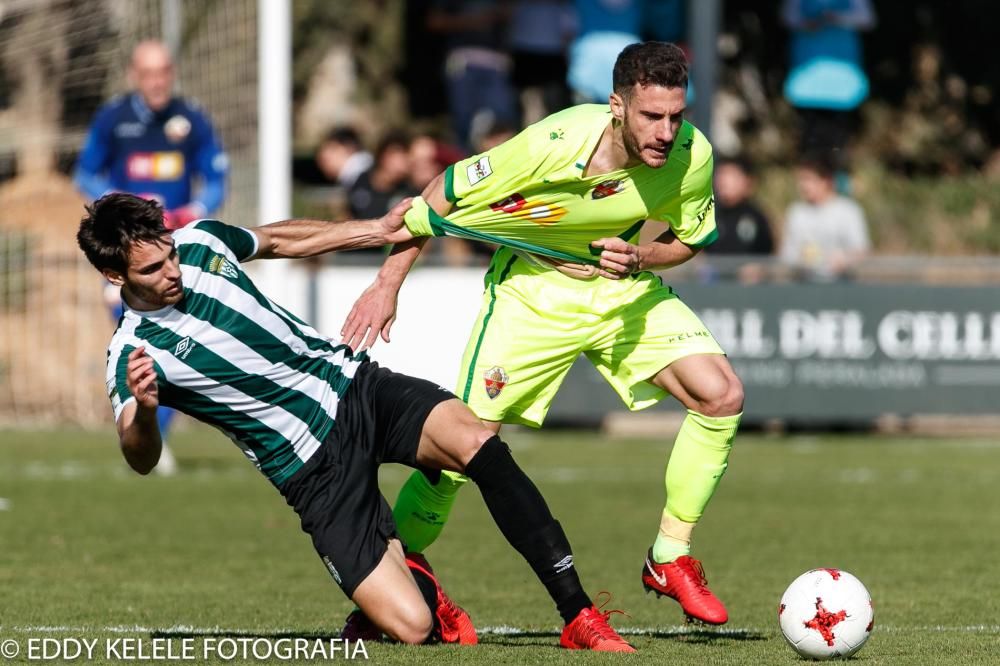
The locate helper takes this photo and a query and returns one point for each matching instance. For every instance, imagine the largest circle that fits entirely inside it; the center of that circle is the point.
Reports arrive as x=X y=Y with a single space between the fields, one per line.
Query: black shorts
x=336 y=494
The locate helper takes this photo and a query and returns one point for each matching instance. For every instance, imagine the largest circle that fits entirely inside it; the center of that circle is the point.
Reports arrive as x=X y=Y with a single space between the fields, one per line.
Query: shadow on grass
x=694 y=636
x=270 y=635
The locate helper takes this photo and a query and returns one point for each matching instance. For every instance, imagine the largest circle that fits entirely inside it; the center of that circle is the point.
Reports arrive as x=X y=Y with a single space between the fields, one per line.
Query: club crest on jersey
x=495 y=379
x=177 y=128
x=607 y=188
x=479 y=169
x=222 y=266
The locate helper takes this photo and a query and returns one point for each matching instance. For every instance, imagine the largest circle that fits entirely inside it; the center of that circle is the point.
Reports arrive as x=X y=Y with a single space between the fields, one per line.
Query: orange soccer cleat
x=684 y=580
x=451 y=622
x=590 y=631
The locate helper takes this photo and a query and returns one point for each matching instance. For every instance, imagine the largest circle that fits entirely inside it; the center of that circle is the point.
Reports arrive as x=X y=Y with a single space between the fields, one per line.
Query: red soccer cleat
x=358 y=627
x=451 y=623
x=590 y=630
x=684 y=580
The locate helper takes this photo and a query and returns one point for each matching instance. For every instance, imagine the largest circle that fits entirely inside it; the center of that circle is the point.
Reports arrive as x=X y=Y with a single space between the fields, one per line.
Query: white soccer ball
x=826 y=614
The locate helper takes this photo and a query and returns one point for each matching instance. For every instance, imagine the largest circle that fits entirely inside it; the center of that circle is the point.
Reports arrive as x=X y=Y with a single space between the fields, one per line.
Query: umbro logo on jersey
x=184 y=348
x=607 y=188
x=495 y=379
x=222 y=266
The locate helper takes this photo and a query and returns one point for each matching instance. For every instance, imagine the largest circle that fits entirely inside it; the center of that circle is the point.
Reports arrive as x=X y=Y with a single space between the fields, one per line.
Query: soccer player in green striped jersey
x=565 y=199
x=314 y=417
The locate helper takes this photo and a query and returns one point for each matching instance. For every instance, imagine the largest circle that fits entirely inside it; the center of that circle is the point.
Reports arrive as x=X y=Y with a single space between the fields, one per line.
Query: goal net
x=59 y=61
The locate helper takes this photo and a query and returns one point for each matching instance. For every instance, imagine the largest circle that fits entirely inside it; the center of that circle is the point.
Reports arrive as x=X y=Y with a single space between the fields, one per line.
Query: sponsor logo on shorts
x=479 y=169
x=607 y=188
x=332 y=569
x=495 y=379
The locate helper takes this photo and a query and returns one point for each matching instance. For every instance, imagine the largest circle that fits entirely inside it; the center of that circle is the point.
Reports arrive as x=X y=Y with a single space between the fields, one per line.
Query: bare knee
x=411 y=625
x=725 y=400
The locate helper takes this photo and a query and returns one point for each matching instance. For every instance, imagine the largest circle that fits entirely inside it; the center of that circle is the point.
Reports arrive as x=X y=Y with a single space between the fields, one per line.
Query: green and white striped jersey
x=228 y=356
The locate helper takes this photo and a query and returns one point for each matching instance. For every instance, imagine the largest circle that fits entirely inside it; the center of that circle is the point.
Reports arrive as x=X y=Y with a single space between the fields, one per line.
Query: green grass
x=88 y=549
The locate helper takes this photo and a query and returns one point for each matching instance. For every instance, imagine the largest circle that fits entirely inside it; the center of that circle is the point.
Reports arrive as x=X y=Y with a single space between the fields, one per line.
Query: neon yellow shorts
x=535 y=322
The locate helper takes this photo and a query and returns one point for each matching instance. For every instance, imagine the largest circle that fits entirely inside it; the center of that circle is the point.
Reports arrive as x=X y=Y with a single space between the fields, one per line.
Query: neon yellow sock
x=696 y=465
x=422 y=509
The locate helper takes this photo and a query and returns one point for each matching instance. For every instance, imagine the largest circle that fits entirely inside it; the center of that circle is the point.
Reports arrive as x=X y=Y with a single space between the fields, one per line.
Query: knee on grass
x=411 y=625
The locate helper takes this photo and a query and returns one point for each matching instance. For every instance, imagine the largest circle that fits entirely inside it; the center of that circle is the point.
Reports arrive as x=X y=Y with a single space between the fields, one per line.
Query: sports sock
x=523 y=517
x=422 y=508
x=427 y=588
x=696 y=465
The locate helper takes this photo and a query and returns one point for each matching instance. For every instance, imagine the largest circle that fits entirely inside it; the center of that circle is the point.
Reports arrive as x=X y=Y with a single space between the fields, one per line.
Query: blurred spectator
x=425 y=161
x=826 y=78
x=494 y=135
x=743 y=228
x=825 y=233
x=387 y=182
x=477 y=68
x=342 y=158
x=159 y=146
x=155 y=144
x=540 y=33
x=605 y=28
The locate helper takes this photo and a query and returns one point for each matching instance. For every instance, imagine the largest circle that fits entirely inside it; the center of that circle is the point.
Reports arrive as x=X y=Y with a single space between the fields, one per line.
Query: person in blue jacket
x=156 y=145
x=153 y=143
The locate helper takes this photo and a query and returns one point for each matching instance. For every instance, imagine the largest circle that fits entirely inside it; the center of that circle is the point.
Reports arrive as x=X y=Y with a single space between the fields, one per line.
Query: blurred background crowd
x=879 y=115
x=856 y=141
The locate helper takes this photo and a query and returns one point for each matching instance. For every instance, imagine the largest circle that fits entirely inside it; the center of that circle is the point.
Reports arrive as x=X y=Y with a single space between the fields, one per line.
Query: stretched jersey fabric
x=131 y=148
x=530 y=193
x=228 y=356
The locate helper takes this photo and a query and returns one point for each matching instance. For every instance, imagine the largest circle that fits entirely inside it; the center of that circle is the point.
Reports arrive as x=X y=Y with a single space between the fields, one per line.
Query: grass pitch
x=91 y=550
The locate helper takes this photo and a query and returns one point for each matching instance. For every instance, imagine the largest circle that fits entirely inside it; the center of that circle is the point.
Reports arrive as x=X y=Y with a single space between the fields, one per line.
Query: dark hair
x=116 y=222
x=392 y=139
x=821 y=165
x=650 y=64
x=739 y=161
x=345 y=136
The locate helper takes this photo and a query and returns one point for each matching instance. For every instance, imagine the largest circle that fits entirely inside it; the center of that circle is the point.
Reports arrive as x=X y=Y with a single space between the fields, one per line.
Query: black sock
x=427 y=588
x=522 y=515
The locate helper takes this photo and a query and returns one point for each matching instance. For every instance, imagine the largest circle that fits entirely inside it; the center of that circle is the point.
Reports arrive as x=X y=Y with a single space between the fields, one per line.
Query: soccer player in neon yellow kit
x=553 y=292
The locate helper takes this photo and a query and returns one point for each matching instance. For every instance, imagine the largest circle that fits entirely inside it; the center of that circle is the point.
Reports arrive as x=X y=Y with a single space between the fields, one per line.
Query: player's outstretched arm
x=138 y=431
x=293 y=239
x=620 y=259
x=375 y=310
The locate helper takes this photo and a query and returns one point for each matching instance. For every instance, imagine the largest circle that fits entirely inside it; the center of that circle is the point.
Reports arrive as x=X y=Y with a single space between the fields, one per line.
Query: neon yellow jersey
x=530 y=193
